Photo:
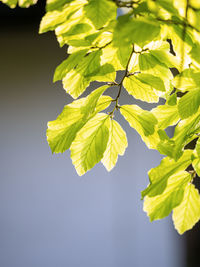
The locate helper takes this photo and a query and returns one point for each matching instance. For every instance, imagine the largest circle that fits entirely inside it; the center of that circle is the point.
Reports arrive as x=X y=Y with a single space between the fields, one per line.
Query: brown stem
x=126 y=74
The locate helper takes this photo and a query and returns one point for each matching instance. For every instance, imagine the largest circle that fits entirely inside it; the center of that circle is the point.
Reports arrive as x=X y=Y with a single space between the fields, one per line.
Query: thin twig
x=120 y=85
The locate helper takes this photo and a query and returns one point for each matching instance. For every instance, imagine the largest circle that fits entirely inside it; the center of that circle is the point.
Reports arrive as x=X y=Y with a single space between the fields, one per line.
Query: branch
x=126 y=74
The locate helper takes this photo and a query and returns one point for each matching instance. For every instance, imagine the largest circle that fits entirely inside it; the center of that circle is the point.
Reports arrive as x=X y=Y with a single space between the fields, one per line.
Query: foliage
x=21 y=3
x=146 y=40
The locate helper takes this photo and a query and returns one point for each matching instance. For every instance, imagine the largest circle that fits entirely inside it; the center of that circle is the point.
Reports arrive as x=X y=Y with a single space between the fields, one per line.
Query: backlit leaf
x=166 y=115
x=90 y=143
x=187 y=214
x=117 y=144
x=187 y=80
x=160 y=206
x=100 y=12
x=140 y=90
x=189 y=103
x=139 y=31
x=68 y=64
x=159 y=175
x=143 y=122
x=62 y=131
x=21 y=3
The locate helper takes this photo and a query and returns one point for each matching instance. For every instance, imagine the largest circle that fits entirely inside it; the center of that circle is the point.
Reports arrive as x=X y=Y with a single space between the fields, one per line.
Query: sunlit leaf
x=139 y=31
x=143 y=122
x=159 y=175
x=21 y=3
x=160 y=206
x=189 y=103
x=117 y=144
x=90 y=143
x=166 y=115
x=187 y=214
x=62 y=131
x=100 y=12
x=68 y=64
x=140 y=90
x=187 y=80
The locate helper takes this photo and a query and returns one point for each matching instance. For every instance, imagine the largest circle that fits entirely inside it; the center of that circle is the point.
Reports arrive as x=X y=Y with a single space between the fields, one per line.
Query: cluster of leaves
x=21 y=3
x=146 y=39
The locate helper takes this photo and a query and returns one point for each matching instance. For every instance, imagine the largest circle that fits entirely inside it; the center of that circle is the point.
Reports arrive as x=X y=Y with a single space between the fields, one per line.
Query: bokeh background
x=49 y=216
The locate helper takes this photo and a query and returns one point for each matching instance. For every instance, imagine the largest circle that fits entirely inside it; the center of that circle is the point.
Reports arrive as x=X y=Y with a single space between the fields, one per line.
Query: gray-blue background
x=49 y=216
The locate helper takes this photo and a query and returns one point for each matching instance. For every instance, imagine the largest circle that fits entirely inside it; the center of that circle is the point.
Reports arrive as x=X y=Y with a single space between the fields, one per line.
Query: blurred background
x=49 y=216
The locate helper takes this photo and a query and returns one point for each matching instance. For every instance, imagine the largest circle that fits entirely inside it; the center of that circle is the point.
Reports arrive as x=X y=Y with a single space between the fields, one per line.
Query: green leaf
x=72 y=23
x=154 y=82
x=187 y=214
x=166 y=115
x=196 y=158
x=76 y=81
x=27 y=3
x=10 y=3
x=166 y=58
x=78 y=28
x=166 y=145
x=160 y=206
x=139 y=119
x=68 y=64
x=140 y=90
x=123 y=54
x=189 y=103
x=93 y=99
x=196 y=165
x=195 y=4
x=184 y=133
x=172 y=99
x=117 y=145
x=159 y=175
x=90 y=143
x=54 y=18
x=175 y=33
x=197 y=147
x=21 y=3
x=187 y=80
x=143 y=122
x=56 y=4
x=195 y=53
x=148 y=63
x=90 y=65
x=62 y=131
x=168 y=5
x=139 y=31
x=106 y=73
x=110 y=56
x=100 y=12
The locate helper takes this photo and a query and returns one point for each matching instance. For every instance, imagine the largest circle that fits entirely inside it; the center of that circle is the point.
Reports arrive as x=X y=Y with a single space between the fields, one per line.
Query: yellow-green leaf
x=117 y=144
x=90 y=143
x=21 y=3
x=143 y=122
x=68 y=64
x=189 y=103
x=139 y=119
x=187 y=80
x=166 y=115
x=160 y=206
x=62 y=131
x=140 y=90
x=187 y=214
x=148 y=63
x=159 y=175
x=100 y=12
